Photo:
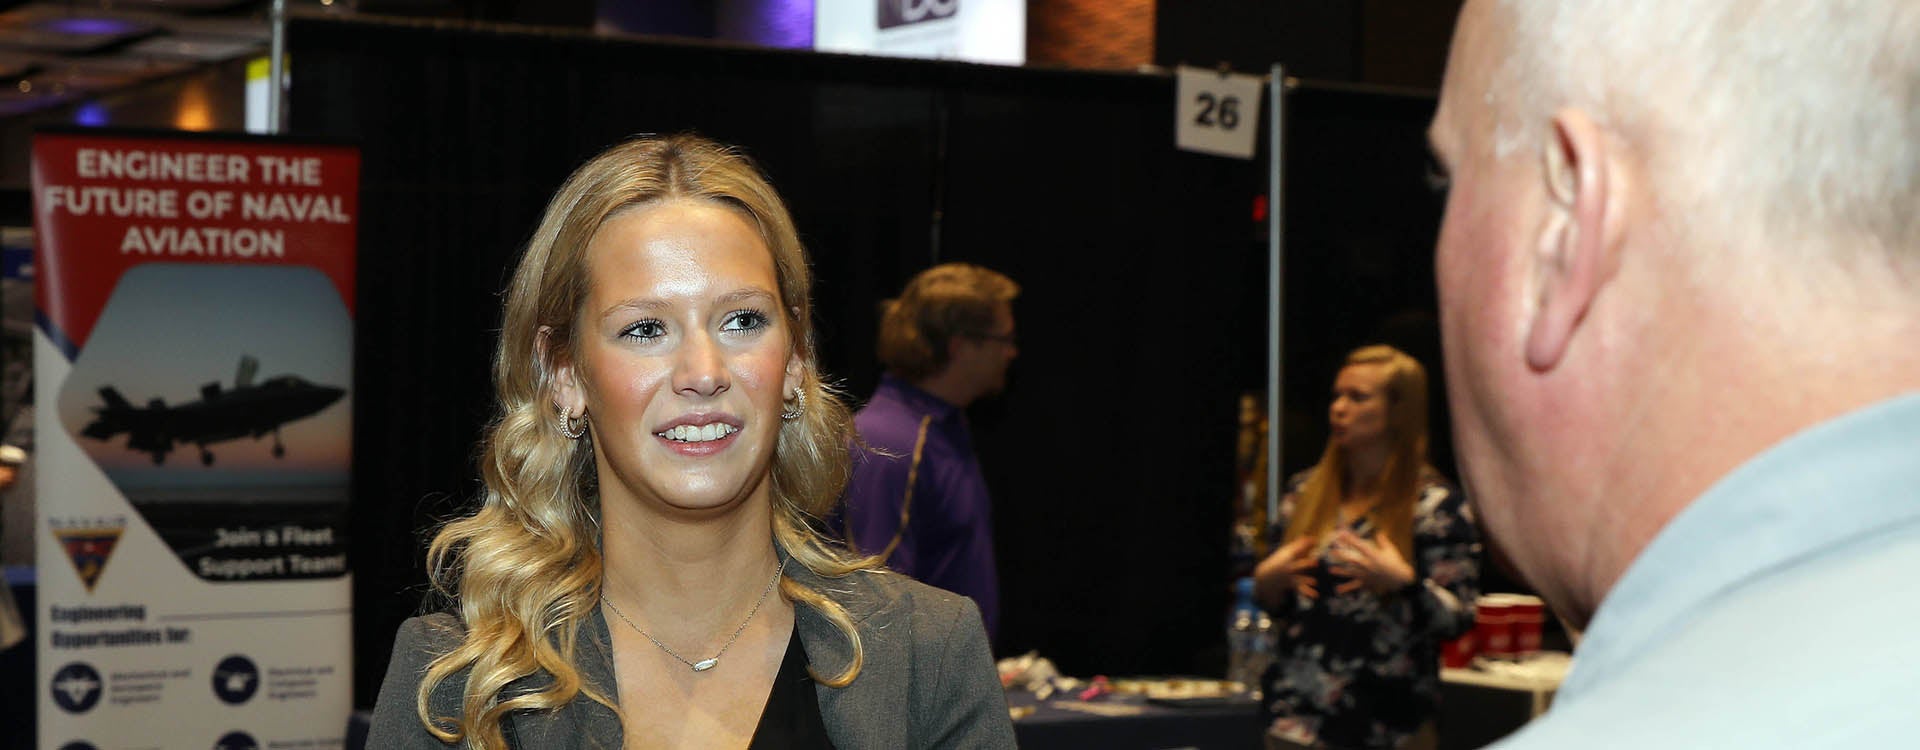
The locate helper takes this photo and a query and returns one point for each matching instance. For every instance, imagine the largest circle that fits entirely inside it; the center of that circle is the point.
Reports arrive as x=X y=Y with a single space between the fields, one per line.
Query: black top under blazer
x=928 y=679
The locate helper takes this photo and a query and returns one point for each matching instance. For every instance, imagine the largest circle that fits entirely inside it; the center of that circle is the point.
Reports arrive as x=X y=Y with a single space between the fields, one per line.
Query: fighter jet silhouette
x=236 y=681
x=77 y=687
x=246 y=411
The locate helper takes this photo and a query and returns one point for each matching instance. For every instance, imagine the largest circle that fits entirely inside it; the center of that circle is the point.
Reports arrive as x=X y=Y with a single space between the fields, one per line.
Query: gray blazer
x=928 y=680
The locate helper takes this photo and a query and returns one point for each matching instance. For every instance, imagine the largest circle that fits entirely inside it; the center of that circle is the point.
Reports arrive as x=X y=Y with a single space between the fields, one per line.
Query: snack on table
x=1028 y=671
x=1177 y=688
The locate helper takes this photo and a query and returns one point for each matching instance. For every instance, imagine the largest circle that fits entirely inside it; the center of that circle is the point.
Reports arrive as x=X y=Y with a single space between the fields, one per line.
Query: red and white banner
x=193 y=360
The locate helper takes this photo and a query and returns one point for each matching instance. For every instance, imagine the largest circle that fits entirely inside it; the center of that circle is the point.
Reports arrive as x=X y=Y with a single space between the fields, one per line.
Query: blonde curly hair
x=525 y=568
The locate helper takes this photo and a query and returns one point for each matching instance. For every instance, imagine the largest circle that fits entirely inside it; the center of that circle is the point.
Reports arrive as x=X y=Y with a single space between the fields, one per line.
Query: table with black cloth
x=1230 y=726
x=1478 y=708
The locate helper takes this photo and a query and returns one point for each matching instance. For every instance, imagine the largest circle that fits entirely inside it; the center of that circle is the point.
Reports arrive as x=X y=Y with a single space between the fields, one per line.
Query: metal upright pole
x=275 y=67
x=1276 y=282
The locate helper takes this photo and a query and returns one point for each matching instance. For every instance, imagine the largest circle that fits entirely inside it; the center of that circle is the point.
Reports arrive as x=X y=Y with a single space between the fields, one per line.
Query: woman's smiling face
x=682 y=357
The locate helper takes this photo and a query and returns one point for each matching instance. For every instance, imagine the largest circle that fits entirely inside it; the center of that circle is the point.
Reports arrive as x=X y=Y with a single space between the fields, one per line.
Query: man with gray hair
x=1679 y=280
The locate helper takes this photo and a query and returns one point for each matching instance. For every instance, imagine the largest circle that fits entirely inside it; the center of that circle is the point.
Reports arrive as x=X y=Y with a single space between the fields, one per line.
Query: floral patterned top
x=1361 y=670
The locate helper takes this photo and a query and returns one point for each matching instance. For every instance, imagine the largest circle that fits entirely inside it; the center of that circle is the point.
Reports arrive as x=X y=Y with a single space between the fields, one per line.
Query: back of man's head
x=1678 y=233
x=937 y=305
x=1772 y=126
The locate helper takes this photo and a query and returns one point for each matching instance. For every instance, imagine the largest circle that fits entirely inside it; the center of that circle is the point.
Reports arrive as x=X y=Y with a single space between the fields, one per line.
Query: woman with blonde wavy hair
x=1377 y=564
x=664 y=444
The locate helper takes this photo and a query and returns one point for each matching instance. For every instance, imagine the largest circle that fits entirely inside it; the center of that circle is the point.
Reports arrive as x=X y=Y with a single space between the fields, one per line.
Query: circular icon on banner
x=236 y=741
x=236 y=679
x=76 y=688
x=79 y=745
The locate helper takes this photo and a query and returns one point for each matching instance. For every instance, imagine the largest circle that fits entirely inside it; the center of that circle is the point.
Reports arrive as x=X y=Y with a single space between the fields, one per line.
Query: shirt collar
x=1849 y=476
x=916 y=400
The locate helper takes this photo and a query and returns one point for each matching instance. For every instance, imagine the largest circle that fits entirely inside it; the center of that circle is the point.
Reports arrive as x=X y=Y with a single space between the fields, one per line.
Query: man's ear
x=1579 y=242
x=566 y=393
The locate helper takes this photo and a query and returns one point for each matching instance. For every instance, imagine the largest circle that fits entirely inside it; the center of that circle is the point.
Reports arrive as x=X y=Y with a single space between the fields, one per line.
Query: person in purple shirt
x=917 y=497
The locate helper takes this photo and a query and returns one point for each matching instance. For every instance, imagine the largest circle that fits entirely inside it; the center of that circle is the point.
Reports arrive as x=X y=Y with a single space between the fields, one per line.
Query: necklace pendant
x=704 y=665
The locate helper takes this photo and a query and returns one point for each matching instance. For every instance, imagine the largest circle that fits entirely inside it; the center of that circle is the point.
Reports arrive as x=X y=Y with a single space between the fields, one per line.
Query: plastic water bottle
x=1249 y=638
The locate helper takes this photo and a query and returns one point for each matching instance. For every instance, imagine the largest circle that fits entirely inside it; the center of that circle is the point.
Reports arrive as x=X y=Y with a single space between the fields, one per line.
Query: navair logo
x=902 y=12
x=88 y=544
x=235 y=679
x=76 y=688
x=236 y=741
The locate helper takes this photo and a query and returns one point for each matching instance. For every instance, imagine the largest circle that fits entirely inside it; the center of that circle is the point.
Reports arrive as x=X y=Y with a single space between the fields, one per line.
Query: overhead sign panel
x=987 y=31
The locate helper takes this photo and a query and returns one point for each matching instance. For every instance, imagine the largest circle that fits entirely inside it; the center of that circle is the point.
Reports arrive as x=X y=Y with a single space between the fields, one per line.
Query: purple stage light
x=774 y=23
x=91 y=114
x=84 y=26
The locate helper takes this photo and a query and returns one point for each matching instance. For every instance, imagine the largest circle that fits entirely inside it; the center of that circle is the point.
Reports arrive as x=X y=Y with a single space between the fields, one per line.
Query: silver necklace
x=705 y=664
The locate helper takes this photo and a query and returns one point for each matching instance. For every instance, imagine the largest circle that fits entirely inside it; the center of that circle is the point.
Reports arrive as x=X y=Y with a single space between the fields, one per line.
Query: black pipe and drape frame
x=1143 y=316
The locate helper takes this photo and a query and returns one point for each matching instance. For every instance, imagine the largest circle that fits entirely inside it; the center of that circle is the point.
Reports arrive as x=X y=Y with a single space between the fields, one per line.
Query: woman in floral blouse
x=1377 y=564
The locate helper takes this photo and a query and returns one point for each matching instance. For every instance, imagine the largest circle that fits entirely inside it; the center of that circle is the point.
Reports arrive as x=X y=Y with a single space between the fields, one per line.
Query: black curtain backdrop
x=1361 y=221
x=1110 y=457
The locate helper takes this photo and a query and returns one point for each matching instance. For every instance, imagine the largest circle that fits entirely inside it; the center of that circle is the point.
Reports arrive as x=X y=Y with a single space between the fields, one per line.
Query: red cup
x=1528 y=613
x=1459 y=652
x=1493 y=626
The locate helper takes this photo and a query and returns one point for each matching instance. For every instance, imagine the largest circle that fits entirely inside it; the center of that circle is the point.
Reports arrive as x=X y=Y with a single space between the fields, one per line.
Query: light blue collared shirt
x=1779 y=609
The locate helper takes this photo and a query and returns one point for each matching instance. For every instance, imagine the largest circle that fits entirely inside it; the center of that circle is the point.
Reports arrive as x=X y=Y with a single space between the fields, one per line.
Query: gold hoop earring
x=568 y=428
x=798 y=407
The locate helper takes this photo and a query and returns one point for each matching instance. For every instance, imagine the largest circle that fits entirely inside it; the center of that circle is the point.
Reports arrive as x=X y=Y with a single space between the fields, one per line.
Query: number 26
x=1224 y=111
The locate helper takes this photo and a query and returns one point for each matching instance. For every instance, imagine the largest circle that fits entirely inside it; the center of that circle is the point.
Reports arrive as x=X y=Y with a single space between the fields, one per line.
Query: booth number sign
x=1217 y=113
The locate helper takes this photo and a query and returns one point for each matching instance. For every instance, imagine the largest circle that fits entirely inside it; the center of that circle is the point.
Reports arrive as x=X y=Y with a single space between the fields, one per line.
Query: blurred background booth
x=1111 y=457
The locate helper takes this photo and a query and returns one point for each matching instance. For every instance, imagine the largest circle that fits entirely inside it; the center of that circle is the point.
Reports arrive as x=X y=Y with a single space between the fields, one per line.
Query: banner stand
x=193 y=363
